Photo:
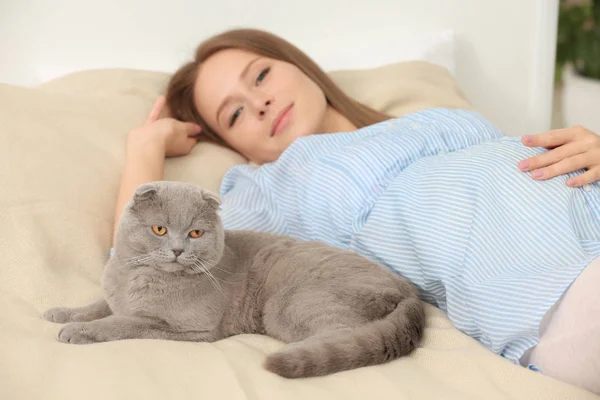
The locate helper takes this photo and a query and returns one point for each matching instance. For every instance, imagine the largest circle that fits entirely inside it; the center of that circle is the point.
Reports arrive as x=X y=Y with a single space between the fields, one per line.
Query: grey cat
x=177 y=274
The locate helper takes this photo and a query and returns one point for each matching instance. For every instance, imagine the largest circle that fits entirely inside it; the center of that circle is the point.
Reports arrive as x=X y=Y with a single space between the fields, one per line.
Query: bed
x=70 y=96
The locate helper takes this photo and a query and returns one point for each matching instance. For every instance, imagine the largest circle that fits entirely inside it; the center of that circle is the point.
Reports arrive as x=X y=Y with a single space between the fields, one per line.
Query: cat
x=177 y=274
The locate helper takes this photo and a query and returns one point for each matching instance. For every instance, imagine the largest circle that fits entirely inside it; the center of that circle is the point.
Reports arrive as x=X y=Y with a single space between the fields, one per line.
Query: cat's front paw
x=78 y=333
x=60 y=315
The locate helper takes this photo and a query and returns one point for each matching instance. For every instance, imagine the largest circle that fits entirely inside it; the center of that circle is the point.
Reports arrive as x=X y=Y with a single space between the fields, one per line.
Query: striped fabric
x=436 y=196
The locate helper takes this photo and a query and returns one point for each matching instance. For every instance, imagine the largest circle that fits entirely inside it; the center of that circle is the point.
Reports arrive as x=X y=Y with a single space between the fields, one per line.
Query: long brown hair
x=180 y=89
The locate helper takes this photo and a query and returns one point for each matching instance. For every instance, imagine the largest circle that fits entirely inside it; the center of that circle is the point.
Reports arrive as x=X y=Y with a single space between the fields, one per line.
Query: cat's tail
x=377 y=342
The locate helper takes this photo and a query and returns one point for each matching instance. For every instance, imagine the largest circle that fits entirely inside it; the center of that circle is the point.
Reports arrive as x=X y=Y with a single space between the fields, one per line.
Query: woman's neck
x=334 y=122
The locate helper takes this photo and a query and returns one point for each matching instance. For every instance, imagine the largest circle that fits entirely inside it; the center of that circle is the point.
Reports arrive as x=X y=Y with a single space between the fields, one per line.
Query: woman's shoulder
x=458 y=120
x=236 y=174
x=427 y=117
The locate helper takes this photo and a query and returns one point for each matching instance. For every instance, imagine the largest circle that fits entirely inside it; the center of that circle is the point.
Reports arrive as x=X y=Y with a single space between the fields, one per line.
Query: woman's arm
x=147 y=147
x=142 y=165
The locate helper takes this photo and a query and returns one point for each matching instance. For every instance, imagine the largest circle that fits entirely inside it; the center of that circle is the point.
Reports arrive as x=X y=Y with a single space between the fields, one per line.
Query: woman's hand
x=571 y=149
x=175 y=138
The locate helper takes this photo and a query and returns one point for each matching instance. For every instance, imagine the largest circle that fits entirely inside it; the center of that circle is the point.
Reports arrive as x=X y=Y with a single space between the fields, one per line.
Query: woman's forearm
x=142 y=165
x=147 y=147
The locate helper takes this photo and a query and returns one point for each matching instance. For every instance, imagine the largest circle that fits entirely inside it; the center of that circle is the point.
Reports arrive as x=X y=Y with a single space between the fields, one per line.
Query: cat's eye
x=196 y=233
x=159 y=230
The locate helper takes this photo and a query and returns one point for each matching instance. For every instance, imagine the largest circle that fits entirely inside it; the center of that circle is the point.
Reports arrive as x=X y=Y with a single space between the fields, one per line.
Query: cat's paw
x=77 y=333
x=60 y=315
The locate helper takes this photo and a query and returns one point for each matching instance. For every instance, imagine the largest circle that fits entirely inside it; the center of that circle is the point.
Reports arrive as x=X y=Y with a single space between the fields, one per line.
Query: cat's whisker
x=208 y=271
x=130 y=263
x=214 y=266
x=135 y=257
x=202 y=269
x=197 y=269
x=213 y=279
x=129 y=259
x=215 y=284
x=227 y=280
x=209 y=275
x=220 y=269
x=133 y=261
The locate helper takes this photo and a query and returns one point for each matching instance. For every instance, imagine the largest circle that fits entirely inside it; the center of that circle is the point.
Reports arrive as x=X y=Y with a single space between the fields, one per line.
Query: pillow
x=396 y=89
x=400 y=88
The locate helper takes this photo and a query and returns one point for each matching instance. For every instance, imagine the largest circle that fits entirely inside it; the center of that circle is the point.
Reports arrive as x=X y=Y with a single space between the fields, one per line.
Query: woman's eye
x=235 y=116
x=262 y=75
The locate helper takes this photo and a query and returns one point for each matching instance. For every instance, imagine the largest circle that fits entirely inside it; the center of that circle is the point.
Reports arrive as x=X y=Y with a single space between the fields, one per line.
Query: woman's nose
x=264 y=108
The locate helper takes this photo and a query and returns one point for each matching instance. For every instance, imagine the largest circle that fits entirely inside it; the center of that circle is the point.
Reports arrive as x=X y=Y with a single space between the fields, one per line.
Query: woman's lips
x=282 y=119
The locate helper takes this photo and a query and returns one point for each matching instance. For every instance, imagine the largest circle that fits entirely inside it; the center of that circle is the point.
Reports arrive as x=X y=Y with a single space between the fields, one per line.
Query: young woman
x=498 y=232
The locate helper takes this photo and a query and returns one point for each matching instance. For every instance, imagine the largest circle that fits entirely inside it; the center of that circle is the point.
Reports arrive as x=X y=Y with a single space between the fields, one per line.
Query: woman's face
x=258 y=105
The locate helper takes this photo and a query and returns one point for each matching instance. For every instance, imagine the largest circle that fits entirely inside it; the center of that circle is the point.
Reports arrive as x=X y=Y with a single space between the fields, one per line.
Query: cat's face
x=172 y=226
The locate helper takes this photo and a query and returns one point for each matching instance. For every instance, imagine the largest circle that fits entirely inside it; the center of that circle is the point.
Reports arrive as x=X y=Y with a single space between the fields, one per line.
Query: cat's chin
x=174 y=267
x=171 y=267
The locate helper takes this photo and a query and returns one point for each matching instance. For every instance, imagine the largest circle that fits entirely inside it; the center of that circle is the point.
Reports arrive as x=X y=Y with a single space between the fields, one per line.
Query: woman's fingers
x=156 y=110
x=549 y=139
x=589 y=176
x=552 y=156
x=564 y=166
x=191 y=129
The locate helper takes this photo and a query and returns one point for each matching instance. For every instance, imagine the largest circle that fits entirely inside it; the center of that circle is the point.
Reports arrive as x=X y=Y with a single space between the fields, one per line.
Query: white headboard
x=504 y=49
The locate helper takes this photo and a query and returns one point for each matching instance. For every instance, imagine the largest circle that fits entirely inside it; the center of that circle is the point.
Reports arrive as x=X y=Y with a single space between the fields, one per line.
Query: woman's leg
x=569 y=347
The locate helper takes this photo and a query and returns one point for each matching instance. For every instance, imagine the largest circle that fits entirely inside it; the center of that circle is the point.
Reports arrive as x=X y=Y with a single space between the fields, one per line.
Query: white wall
x=47 y=38
x=504 y=47
x=15 y=44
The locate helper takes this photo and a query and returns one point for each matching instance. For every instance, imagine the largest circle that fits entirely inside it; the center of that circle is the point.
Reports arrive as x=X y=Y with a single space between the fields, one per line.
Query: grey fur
x=336 y=309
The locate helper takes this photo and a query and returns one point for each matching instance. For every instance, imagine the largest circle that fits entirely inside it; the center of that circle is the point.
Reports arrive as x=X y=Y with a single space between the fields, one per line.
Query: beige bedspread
x=61 y=153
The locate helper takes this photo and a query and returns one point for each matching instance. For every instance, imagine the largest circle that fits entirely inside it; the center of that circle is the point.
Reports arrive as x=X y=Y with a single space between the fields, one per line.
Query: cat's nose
x=177 y=252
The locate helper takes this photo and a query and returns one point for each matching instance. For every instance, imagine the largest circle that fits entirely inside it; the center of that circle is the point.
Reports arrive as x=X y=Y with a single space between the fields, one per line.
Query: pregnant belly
x=445 y=219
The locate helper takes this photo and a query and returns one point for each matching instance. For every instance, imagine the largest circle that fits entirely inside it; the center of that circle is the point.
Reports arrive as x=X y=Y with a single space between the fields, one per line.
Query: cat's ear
x=212 y=200
x=144 y=193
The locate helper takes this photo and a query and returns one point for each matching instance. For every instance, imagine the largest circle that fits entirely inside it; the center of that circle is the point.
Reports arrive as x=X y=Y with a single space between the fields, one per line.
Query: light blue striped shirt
x=435 y=195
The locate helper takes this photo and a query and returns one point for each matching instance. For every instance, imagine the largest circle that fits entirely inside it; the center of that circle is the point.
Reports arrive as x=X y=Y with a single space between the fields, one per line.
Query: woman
x=435 y=195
